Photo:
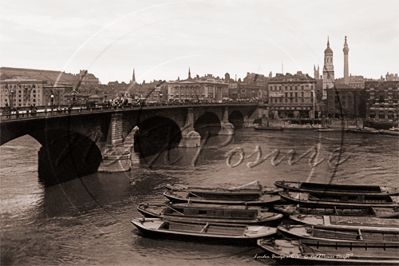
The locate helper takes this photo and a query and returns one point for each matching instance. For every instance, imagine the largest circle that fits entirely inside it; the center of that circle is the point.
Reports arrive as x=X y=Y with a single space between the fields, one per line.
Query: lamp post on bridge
x=52 y=102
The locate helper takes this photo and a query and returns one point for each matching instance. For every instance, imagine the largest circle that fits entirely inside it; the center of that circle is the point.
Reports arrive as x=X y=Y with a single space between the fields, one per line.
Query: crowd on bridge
x=8 y=111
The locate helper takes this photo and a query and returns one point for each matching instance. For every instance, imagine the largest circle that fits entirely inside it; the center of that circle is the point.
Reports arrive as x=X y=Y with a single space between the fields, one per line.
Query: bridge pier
x=116 y=156
x=227 y=128
x=190 y=137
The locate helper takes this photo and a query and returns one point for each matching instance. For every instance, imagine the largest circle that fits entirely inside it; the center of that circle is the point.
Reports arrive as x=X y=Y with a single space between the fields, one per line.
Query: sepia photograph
x=199 y=132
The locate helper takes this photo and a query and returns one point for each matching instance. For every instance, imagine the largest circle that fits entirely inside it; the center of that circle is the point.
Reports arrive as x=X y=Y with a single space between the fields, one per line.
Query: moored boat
x=323 y=199
x=389 y=132
x=181 y=197
x=348 y=222
x=189 y=212
x=248 y=191
x=332 y=251
x=381 y=212
x=321 y=233
x=164 y=228
x=258 y=127
x=336 y=188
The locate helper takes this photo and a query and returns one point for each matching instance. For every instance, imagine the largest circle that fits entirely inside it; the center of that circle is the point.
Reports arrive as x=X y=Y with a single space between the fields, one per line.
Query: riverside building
x=292 y=96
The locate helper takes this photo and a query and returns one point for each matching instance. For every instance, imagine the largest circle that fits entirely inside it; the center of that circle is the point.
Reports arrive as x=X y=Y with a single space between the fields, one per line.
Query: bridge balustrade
x=45 y=111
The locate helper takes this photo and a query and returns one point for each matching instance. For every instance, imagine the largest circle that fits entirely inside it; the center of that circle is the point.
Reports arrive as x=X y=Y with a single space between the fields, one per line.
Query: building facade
x=382 y=100
x=343 y=101
x=292 y=95
x=21 y=92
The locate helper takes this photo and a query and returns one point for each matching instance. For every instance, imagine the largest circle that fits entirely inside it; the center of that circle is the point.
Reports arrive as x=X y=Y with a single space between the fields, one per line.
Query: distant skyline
x=161 y=40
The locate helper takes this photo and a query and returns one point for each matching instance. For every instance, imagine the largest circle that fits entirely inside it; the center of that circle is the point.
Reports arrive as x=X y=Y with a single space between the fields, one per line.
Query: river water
x=87 y=220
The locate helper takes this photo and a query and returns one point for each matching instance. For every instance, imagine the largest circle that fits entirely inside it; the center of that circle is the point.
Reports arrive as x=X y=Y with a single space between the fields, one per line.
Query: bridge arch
x=207 y=122
x=237 y=119
x=156 y=133
x=66 y=155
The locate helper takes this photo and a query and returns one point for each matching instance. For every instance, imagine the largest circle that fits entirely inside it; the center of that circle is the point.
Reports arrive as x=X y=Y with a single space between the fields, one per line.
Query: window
x=279 y=87
x=296 y=94
x=295 y=87
x=302 y=87
x=290 y=88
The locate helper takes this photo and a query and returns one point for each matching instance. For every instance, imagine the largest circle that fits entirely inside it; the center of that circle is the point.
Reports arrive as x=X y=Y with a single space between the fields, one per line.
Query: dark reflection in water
x=87 y=220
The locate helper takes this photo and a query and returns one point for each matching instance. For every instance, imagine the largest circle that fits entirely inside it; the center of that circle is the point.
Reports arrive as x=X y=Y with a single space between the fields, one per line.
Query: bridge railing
x=48 y=111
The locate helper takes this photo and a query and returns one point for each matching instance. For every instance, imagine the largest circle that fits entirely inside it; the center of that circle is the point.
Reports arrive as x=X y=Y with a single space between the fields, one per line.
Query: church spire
x=133 y=77
x=189 y=73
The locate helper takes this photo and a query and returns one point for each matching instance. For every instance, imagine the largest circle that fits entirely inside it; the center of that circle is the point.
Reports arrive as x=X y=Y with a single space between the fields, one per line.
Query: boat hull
x=348 y=222
x=339 y=235
x=182 y=197
x=323 y=200
x=234 y=214
x=381 y=212
x=336 y=188
x=231 y=234
x=335 y=252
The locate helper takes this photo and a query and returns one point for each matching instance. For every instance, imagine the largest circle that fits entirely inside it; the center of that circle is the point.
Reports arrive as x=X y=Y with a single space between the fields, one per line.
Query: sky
x=161 y=40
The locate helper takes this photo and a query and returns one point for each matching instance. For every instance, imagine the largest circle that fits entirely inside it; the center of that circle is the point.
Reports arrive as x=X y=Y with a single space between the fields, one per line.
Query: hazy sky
x=162 y=39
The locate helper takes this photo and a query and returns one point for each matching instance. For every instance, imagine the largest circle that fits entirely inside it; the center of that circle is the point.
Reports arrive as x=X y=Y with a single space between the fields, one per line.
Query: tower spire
x=133 y=77
x=189 y=73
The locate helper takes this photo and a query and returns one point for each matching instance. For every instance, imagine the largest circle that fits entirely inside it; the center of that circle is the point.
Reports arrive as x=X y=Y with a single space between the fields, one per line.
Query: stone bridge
x=82 y=141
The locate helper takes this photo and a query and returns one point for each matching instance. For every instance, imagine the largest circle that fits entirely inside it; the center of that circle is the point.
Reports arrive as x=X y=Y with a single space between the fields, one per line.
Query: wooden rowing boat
x=248 y=191
x=333 y=251
x=381 y=212
x=258 y=127
x=348 y=222
x=336 y=188
x=325 y=200
x=188 y=212
x=181 y=197
x=321 y=233
x=157 y=227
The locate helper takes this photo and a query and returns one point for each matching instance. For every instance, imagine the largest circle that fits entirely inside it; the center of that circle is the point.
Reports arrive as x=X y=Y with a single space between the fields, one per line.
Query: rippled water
x=87 y=220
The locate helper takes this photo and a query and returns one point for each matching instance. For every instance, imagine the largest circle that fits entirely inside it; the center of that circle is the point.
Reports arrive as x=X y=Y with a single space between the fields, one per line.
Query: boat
x=333 y=251
x=323 y=200
x=348 y=222
x=258 y=127
x=333 y=130
x=366 y=130
x=248 y=191
x=336 y=188
x=381 y=212
x=298 y=128
x=236 y=214
x=157 y=227
x=181 y=197
x=343 y=235
x=389 y=132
